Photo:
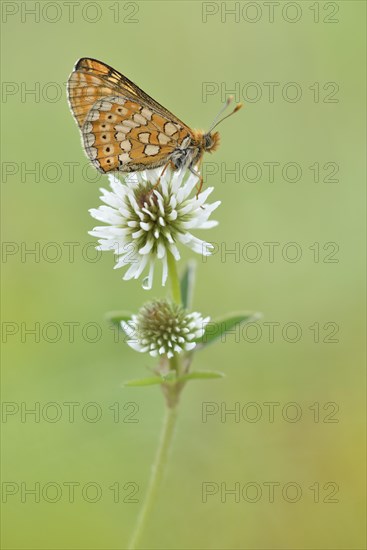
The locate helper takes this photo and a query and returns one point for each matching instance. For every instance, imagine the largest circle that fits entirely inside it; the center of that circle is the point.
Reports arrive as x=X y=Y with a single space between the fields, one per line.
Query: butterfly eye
x=208 y=141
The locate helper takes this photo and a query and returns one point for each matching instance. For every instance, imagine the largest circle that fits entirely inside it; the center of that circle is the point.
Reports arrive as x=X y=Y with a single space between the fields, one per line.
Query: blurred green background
x=173 y=50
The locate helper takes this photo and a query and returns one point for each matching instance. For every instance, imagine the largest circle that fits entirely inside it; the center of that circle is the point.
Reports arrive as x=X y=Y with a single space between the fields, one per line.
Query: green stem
x=175 y=364
x=168 y=427
x=175 y=281
x=156 y=476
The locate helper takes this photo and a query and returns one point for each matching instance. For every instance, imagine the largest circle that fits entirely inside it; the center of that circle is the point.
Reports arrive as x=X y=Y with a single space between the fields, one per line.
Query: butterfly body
x=191 y=150
x=124 y=129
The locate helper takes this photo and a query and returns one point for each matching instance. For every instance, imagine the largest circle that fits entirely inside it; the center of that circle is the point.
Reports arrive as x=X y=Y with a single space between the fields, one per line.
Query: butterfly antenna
x=227 y=103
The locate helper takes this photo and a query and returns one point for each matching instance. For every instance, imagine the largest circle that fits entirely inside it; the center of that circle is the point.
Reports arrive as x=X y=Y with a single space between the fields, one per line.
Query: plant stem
x=175 y=281
x=175 y=364
x=156 y=475
x=168 y=426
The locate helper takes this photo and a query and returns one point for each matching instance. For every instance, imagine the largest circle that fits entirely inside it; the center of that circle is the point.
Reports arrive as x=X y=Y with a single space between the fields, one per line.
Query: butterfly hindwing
x=120 y=134
x=122 y=127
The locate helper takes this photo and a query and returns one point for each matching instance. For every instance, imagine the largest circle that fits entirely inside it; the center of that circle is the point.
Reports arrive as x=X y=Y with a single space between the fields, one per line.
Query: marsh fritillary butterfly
x=123 y=129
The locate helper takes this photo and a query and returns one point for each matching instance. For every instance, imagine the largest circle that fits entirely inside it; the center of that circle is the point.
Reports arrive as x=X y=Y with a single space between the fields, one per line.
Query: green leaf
x=187 y=284
x=151 y=380
x=116 y=317
x=203 y=374
x=214 y=329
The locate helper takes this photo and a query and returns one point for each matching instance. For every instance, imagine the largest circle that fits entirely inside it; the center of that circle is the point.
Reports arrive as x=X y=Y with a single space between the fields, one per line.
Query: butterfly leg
x=163 y=171
x=161 y=174
x=196 y=172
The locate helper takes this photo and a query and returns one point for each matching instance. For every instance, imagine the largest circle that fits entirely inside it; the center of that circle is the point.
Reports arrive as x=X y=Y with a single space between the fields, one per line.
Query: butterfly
x=124 y=129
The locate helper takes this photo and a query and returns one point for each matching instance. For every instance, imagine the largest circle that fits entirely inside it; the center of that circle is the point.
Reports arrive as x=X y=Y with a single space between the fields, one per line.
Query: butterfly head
x=210 y=141
x=206 y=141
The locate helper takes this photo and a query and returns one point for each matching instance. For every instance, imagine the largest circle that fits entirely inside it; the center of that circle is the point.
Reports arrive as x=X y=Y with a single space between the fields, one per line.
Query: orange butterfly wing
x=122 y=127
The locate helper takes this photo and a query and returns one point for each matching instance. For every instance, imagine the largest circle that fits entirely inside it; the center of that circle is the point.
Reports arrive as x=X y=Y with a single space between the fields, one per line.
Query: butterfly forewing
x=122 y=127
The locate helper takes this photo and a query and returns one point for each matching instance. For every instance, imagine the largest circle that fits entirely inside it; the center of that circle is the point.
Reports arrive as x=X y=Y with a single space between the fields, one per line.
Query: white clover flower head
x=164 y=328
x=146 y=221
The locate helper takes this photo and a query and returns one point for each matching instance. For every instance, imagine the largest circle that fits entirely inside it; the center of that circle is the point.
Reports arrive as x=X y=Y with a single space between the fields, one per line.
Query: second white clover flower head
x=164 y=328
x=145 y=222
